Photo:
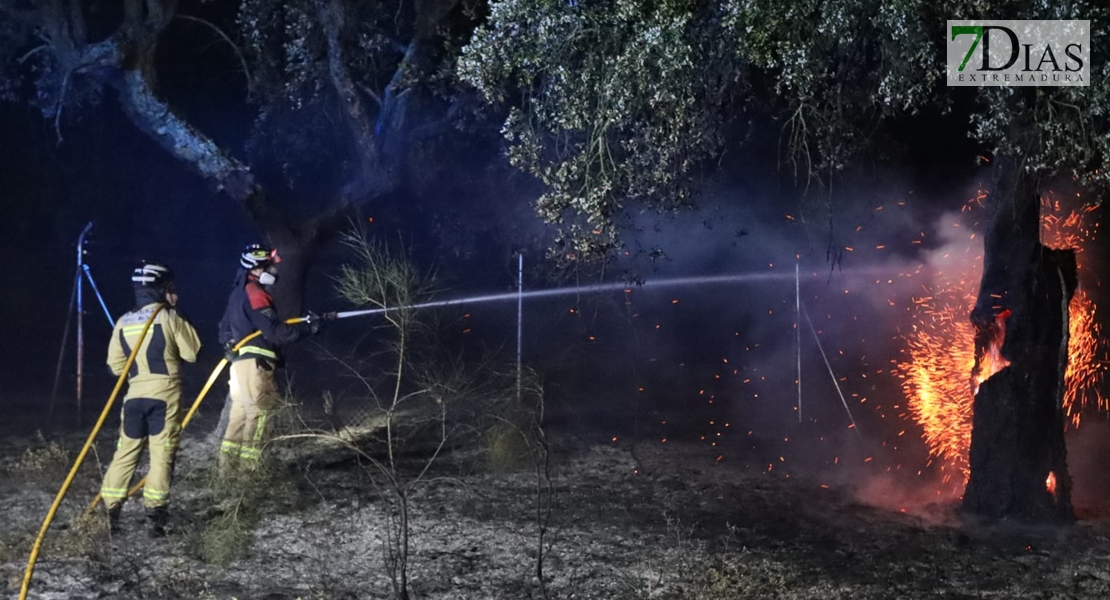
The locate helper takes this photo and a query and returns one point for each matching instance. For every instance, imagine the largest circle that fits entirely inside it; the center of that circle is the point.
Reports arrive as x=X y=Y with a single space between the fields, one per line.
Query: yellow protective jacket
x=169 y=341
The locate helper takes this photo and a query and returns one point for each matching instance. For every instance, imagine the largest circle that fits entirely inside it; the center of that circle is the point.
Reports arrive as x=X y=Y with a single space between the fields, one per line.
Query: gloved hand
x=229 y=354
x=314 y=322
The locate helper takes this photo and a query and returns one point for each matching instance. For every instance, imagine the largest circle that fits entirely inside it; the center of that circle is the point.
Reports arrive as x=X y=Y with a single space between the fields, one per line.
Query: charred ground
x=630 y=518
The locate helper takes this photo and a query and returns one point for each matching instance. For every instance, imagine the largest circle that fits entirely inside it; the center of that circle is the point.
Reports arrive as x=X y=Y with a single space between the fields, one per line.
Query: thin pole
x=80 y=316
x=798 y=332
x=88 y=274
x=65 y=340
x=519 y=316
x=831 y=374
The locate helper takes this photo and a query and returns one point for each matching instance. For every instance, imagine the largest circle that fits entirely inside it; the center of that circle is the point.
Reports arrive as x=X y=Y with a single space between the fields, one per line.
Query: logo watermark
x=1019 y=53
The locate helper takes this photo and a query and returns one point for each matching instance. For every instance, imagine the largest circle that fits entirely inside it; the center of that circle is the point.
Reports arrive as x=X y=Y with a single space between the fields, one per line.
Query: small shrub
x=227 y=538
x=508 y=447
x=744 y=577
x=239 y=499
x=43 y=458
x=83 y=537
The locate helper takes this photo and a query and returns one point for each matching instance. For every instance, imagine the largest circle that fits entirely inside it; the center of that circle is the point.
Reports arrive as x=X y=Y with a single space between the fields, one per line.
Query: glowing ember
x=1050 y=483
x=939 y=351
x=1087 y=350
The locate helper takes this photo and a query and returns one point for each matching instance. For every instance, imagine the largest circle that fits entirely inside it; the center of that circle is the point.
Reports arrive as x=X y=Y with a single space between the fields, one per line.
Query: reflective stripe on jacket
x=169 y=341
x=250 y=308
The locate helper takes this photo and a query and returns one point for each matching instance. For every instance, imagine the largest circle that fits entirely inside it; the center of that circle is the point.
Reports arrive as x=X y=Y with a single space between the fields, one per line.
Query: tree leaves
x=617 y=101
x=611 y=103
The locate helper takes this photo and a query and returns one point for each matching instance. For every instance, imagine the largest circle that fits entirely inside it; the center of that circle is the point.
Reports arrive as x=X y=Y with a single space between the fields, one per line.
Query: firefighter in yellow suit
x=151 y=407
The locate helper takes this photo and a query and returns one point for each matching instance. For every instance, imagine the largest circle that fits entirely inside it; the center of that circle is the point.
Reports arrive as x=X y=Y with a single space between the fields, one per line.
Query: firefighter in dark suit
x=253 y=388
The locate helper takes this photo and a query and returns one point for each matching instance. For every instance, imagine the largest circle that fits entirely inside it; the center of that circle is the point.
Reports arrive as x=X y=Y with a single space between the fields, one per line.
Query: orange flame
x=939 y=351
x=991 y=361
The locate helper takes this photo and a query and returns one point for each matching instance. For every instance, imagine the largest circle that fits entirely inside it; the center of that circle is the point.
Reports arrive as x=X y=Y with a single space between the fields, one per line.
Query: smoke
x=1089 y=466
x=862 y=279
x=740 y=344
x=891 y=493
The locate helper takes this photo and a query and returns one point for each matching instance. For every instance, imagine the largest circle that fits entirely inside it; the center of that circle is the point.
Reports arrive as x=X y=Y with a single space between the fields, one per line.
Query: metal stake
x=831 y=374
x=519 y=316
x=798 y=332
x=80 y=316
x=104 y=306
x=65 y=340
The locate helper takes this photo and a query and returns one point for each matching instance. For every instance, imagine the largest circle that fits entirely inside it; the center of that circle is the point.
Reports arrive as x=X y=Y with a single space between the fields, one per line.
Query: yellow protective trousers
x=155 y=422
x=253 y=395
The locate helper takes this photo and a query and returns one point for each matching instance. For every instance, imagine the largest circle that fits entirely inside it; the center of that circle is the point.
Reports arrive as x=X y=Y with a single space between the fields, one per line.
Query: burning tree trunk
x=1018 y=457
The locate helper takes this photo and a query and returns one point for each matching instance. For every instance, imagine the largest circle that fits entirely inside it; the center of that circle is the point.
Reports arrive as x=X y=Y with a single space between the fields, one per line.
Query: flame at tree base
x=940 y=351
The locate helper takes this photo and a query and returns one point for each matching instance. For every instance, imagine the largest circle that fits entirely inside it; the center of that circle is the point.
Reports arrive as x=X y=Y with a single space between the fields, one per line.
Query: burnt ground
x=645 y=520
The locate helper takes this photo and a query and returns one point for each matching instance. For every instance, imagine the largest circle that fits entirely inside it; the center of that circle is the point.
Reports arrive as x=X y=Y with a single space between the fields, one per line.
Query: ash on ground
x=618 y=519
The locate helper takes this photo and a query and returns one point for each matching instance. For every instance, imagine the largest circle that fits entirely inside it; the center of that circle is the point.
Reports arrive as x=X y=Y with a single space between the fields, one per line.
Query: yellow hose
x=81 y=457
x=196 y=404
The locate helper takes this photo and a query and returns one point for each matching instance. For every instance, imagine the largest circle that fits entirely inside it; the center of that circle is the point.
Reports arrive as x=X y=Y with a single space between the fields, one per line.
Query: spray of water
x=579 y=289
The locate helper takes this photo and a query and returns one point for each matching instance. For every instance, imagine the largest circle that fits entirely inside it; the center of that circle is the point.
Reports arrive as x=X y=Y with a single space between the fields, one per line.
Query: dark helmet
x=257 y=255
x=151 y=274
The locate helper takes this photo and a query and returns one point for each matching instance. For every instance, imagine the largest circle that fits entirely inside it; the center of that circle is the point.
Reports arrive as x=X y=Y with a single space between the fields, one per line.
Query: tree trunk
x=297 y=252
x=1018 y=457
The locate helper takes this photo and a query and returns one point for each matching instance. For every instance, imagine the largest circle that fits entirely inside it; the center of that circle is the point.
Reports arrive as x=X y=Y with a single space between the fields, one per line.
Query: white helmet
x=151 y=274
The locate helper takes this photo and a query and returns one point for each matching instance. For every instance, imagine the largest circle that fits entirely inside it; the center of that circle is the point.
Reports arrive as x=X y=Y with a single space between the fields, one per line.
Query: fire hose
x=81 y=457
x=100 y=423
x=196 y=403
x=331 y=316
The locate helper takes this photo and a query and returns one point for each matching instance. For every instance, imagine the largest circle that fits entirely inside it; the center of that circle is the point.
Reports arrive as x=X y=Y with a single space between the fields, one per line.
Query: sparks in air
x=1087 y=349
x=939 y=369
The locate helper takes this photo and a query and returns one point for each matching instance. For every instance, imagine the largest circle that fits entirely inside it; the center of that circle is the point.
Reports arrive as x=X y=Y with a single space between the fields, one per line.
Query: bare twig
x=58 y=107
x=234 y=47
x=32 y=52
x=370 y=92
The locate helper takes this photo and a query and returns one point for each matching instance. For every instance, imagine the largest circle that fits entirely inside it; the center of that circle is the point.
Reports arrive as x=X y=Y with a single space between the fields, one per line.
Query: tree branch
x=77 y=29
x=429 y=14
x=106 y=55
x=132 y=12
x=155 y=118
x=160 y=13
x=332 y=19
x=234 y=47
x=55 y=25
x=33 y=51
x=393 y=98
x=373 y=94
x=125 y=61
x=58 y=107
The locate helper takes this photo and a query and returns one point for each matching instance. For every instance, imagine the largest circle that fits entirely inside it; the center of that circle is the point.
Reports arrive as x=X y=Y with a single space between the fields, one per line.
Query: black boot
x=113 y=519
x=157 y=517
